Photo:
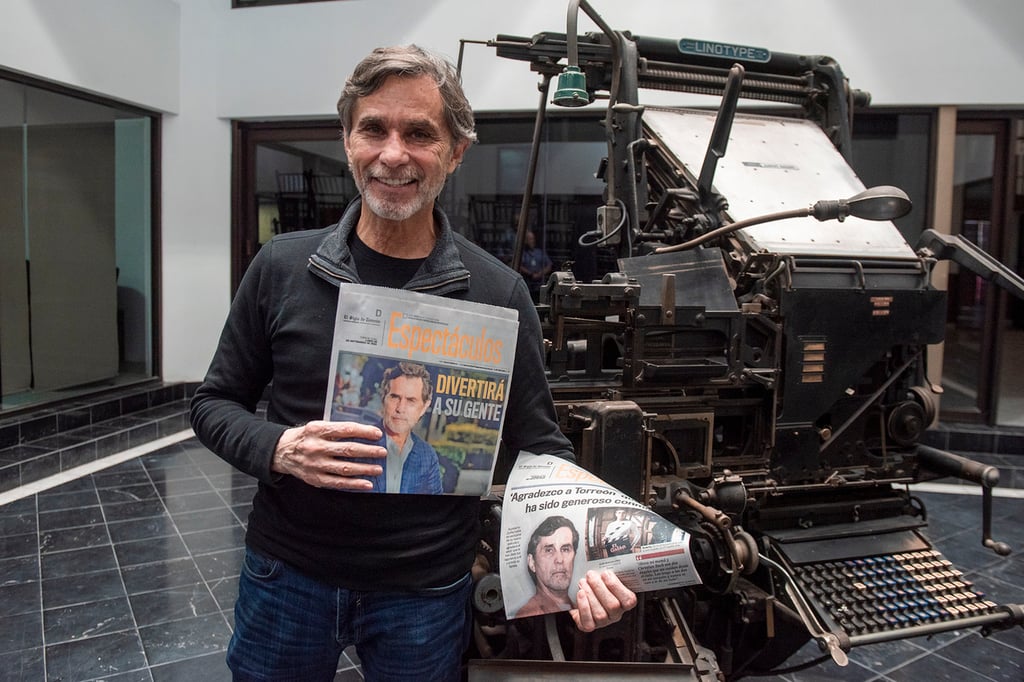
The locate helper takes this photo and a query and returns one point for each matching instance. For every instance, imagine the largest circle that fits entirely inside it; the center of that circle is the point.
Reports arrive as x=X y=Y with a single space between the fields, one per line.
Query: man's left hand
x=601 y=600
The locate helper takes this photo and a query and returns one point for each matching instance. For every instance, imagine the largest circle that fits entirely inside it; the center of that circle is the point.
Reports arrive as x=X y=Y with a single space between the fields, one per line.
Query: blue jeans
x=291 y=627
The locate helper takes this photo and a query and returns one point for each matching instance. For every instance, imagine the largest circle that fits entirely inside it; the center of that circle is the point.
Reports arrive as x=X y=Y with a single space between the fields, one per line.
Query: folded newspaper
x=433 y=373
x=558 y=521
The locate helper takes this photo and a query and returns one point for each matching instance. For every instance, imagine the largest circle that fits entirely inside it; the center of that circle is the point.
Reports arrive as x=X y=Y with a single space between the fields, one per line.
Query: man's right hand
x=320 y=454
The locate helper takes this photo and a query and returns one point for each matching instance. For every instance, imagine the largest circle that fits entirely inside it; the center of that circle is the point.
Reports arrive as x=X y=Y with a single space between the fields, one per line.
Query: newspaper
x=558 y=521
x=434 y=374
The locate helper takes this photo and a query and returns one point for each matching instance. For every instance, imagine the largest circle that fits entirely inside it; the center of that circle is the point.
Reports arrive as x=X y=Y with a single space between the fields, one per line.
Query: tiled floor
x=129 y=574
x=126 y=574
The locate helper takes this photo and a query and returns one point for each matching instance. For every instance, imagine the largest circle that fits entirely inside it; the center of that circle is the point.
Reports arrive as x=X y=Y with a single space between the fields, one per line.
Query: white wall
x=205 y=64
x=123 y=50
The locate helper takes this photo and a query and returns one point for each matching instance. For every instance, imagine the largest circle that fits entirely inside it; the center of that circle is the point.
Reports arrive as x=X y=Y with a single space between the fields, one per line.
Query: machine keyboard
x=890 y=592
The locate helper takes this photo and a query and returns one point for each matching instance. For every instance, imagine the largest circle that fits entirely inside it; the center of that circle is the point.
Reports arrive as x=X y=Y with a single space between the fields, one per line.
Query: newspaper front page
x=559 y=521
x=433 y=373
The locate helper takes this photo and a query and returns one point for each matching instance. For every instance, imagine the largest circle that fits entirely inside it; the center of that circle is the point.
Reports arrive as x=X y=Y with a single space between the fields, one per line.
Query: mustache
x=382 y=173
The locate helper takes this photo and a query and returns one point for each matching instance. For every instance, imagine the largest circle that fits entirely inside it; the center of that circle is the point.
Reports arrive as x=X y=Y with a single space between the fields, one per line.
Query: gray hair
x=410 y=61
x=411 y=370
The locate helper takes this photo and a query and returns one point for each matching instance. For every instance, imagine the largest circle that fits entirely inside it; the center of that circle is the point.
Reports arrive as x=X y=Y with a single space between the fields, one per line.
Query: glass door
x=973 y=320
x=76 y=244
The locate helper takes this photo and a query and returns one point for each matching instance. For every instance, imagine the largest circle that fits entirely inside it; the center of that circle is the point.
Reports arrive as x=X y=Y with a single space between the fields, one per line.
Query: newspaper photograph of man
x=430 y=451
x=397 y=406
x=550 y=559
x=411 y=465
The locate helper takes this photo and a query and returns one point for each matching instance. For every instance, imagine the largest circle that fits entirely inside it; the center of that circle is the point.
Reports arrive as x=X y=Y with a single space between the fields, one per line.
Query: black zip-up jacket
x=279 y=329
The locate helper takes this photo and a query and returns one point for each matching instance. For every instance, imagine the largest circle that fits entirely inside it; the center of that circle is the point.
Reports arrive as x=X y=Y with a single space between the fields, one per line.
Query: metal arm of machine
x=837 y=644
x=877 y=203
x=963 y=252
x=985 y=475
x=719 y=136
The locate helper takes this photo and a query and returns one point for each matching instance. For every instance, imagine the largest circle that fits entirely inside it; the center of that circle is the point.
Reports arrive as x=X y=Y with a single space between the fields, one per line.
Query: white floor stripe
x=92 y=467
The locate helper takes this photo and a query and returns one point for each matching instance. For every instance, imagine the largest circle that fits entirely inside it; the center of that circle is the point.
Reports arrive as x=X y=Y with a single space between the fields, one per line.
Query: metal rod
x=531 y=173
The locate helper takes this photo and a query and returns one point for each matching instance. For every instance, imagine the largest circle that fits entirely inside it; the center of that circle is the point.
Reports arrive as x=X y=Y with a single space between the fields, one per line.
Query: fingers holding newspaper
x=323 y=454
x=601 y=600
x=564 y=530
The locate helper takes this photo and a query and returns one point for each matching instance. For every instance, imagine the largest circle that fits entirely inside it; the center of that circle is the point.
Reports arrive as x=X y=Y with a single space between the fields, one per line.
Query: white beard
x=394 y=210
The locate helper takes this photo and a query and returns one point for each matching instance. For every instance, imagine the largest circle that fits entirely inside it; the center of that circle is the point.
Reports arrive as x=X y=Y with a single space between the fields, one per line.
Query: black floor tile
x=79 y=455
x=26 y=664
x=127 y=493
x=18 y=598
x=40 y=467
x=21 y=453
x=12 y=546
x=95 y=657
x=193 y=521
x=90 y=619
x=10 y=477
x=220 y=565
x=986 y=656
x=160 y=575
x=62 y=540
x=184 y=486
x=176 y=603
x=225 y=591
x=82 y=588
x=70 y=518
x=935 y=668
x=22 y=569
x=150 y=550
x=77 y=561
x=192 y=502
x=182 y=639
x=141 y=529
x=207 y=668
x=23 y=631
x=136 y=509
x=17 y=524
x=117 y=477
x=215 y=540
x=72 y=499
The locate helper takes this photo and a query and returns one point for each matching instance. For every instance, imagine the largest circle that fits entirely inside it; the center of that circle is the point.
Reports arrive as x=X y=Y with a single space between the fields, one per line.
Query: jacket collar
x=441 y=273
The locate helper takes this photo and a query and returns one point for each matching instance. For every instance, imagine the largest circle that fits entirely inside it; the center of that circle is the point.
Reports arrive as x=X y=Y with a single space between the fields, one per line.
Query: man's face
x=403 y=405
x=552 y=562
x=400 y=149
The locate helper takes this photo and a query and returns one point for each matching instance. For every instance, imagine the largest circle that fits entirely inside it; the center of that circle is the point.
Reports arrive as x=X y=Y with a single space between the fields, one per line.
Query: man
x=411 y=465
x=535 y=265
x=325 y=568
x=550 y=556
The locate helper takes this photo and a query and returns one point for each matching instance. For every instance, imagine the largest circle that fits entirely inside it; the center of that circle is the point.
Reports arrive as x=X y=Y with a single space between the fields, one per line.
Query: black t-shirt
x=380 y=270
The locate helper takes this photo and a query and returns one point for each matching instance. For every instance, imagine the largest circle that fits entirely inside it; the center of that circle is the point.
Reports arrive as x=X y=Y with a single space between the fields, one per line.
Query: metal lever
x=719 y=135
x=985 y=475
x=970 y=256
x=827 y=640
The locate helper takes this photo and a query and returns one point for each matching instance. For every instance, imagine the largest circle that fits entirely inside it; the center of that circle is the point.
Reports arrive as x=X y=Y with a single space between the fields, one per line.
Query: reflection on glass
x=302 y=182
x=75 y=295
x=965 y=348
